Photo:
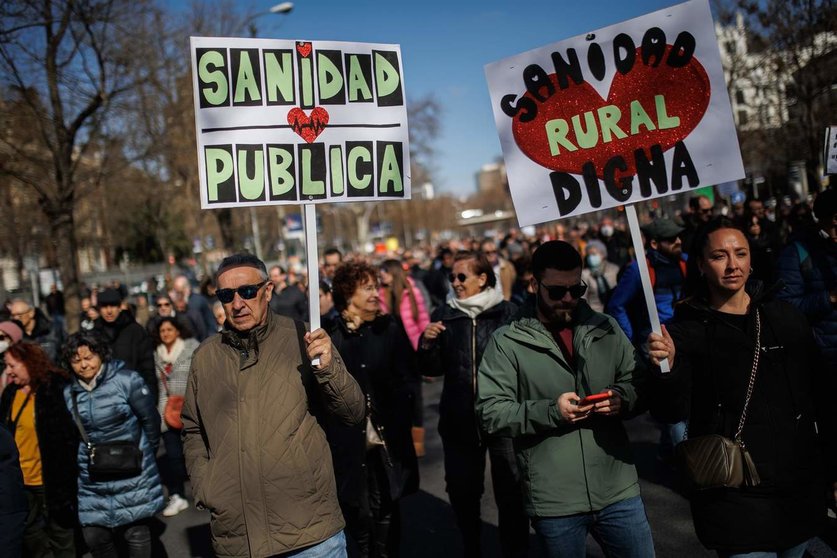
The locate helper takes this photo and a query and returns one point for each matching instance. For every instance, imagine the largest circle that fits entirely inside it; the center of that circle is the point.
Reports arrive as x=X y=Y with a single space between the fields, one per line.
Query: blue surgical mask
x=594 y=260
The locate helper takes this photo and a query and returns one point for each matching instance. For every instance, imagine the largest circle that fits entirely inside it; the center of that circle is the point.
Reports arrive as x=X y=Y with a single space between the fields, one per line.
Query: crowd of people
x=304 y=443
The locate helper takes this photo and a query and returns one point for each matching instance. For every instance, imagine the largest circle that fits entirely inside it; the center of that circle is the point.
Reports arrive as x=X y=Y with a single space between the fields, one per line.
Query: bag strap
x=78 y=421
x=165 y=375
x=13 y=424
x=752 y=382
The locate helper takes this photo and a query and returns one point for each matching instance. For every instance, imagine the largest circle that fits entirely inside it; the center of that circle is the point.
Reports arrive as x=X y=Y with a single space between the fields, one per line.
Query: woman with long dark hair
x=400 y=296
x=733 y=347
x=32 y=408
x=375 y=462
x=172 y=359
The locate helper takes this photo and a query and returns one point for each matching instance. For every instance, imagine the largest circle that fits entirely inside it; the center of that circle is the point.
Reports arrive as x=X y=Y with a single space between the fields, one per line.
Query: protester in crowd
x=10 y=333
x=700 y=212
x=808 y=269
x=14 y=507
x=575 y=457
x=207 y=290
x=110 y=403
x=332 y=257
x=452 y=345
x=55 y=308
x=664 y=254
x=172 y=359
x=378 y=354
x=32 y=408
x=398 y=295
x=165 y=308
x=503 y=269
x=763 y=248
x=37 y=327
x=437 y=277
x=731 y=346
x=287 y=299
x=197 y=307
x=328 y=313
x=128 y=341
x=616 y=241
x=598 y=274
x=522 y=291
x=89 y=314
x=264 y=446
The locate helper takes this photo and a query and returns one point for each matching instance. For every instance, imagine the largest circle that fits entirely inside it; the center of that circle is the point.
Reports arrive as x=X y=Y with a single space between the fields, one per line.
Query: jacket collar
x=588 y=326
x=246 y=343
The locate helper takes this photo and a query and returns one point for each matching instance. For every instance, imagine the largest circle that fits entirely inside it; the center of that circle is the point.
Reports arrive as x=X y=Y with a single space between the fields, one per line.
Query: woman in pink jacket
x=400 y=296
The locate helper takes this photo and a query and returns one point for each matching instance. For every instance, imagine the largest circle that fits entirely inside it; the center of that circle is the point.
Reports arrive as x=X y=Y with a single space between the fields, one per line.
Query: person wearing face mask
x=533 y=384
x=616 y=241
x=599 y=274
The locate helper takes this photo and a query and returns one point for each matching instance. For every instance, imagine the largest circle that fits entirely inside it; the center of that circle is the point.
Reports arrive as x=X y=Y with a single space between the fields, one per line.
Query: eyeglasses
x=557 y=292
x=21 y=314
x=454 y=276
x=163 y=304
x=4 y=337
x=670 y=239
x=244 y=291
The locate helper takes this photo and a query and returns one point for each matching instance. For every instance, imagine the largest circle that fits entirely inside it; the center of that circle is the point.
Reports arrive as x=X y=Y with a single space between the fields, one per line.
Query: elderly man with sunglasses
x=257 y=457
x=534 y=383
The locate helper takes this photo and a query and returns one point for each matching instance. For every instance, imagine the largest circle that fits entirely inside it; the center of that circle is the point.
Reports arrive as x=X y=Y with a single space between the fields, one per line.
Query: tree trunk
x=63 y=232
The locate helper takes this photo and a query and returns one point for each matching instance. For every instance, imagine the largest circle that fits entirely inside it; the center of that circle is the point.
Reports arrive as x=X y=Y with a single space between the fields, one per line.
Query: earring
x=751 y=271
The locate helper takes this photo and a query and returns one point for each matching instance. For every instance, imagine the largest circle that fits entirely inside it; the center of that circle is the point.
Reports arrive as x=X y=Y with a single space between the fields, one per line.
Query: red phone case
x=595 y=398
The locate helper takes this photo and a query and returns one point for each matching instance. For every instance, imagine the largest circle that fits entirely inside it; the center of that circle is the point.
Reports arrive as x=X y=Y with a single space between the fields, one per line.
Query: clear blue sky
x=445 y=45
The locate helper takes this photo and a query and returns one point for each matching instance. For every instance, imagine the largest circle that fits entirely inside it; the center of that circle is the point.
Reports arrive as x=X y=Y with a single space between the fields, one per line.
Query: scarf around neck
x=475 y=305
x=169 y=357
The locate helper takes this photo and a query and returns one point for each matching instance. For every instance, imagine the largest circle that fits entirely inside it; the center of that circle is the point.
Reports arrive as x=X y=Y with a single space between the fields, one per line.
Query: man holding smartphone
x=560 y=383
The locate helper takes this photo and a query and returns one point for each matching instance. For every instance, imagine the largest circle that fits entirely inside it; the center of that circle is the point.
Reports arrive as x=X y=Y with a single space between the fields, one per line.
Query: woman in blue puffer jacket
x=113 y=404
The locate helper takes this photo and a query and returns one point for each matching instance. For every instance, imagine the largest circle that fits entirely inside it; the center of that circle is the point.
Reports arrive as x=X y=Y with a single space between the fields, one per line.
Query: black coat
x=379 y=356
x=44 y=335
x=708 y=384
x=13 y=504
x=58 y=441
x=457 y=354
x=131 y=343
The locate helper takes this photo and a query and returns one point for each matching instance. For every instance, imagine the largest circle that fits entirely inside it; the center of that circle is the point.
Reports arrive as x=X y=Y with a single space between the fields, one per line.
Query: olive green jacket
x=566 y=468
x=257 y=458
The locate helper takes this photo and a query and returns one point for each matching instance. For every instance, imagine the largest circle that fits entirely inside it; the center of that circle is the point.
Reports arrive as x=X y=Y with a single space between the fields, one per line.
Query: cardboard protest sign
x=830 y=154
x=627 y=113
x=288 y=122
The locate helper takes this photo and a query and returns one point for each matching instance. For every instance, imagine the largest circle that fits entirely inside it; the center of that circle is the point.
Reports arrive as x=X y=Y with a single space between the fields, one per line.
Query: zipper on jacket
x=474 y=374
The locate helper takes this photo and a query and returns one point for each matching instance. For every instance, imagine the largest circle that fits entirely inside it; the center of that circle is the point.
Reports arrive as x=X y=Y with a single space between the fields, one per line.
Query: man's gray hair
x=242 y=260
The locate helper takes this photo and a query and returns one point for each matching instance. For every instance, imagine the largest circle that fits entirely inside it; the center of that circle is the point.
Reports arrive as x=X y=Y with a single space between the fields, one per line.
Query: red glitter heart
x=686 y=91
x=308 y=127
x=304 y=49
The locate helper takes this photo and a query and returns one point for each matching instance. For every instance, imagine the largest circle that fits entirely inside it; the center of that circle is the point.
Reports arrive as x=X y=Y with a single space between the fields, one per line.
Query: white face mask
x=3 y=346
x=607 y=231
x=594 y=260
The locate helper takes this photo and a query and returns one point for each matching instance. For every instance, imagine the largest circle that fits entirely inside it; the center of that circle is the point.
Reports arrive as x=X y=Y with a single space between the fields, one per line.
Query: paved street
x=429 y=527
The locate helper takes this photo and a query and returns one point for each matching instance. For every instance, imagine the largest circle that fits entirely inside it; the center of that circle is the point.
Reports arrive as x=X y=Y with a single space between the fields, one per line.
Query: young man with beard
x=574 y=455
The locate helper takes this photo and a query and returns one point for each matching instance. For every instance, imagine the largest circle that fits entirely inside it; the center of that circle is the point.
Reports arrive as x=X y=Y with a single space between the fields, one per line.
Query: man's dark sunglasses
x=557 y=292
x=461 y=276
x=244 y=291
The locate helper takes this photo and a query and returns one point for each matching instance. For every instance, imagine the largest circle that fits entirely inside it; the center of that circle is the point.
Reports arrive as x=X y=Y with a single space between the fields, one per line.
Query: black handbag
x=120 y=458
x=715 y=461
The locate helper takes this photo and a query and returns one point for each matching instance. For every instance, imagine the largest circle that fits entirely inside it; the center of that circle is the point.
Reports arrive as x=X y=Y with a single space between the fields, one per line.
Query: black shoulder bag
x=121 y=458
x=715 y=461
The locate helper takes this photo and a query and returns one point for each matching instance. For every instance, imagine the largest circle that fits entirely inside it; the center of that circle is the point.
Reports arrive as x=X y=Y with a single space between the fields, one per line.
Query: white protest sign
x=289 y=122
x=830 y=155
x=630 y=112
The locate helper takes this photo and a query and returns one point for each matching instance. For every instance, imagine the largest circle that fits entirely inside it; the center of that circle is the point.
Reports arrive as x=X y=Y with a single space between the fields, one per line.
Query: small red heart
x=686 y=91
x=304 y=49
x=308 y=126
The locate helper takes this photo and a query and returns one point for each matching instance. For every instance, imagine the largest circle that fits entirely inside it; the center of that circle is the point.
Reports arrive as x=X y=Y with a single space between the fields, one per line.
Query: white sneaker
x=175 y=506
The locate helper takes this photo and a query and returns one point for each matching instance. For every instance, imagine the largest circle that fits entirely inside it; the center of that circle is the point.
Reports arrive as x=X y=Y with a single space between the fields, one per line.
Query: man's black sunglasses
x=244 y=291
x=461 y=276
x=557 y=292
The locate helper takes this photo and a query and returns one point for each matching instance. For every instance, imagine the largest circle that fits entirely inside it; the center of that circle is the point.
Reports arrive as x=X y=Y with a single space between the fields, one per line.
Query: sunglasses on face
x=246 y=292
x=163 y=304
x=557 y=292
x=454 y=276
x=4 y=337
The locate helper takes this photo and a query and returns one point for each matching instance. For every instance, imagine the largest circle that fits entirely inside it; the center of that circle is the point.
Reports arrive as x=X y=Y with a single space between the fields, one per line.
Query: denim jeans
x=333 y=547
x=101 y=540
x=796 y=552
x=621 y=529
